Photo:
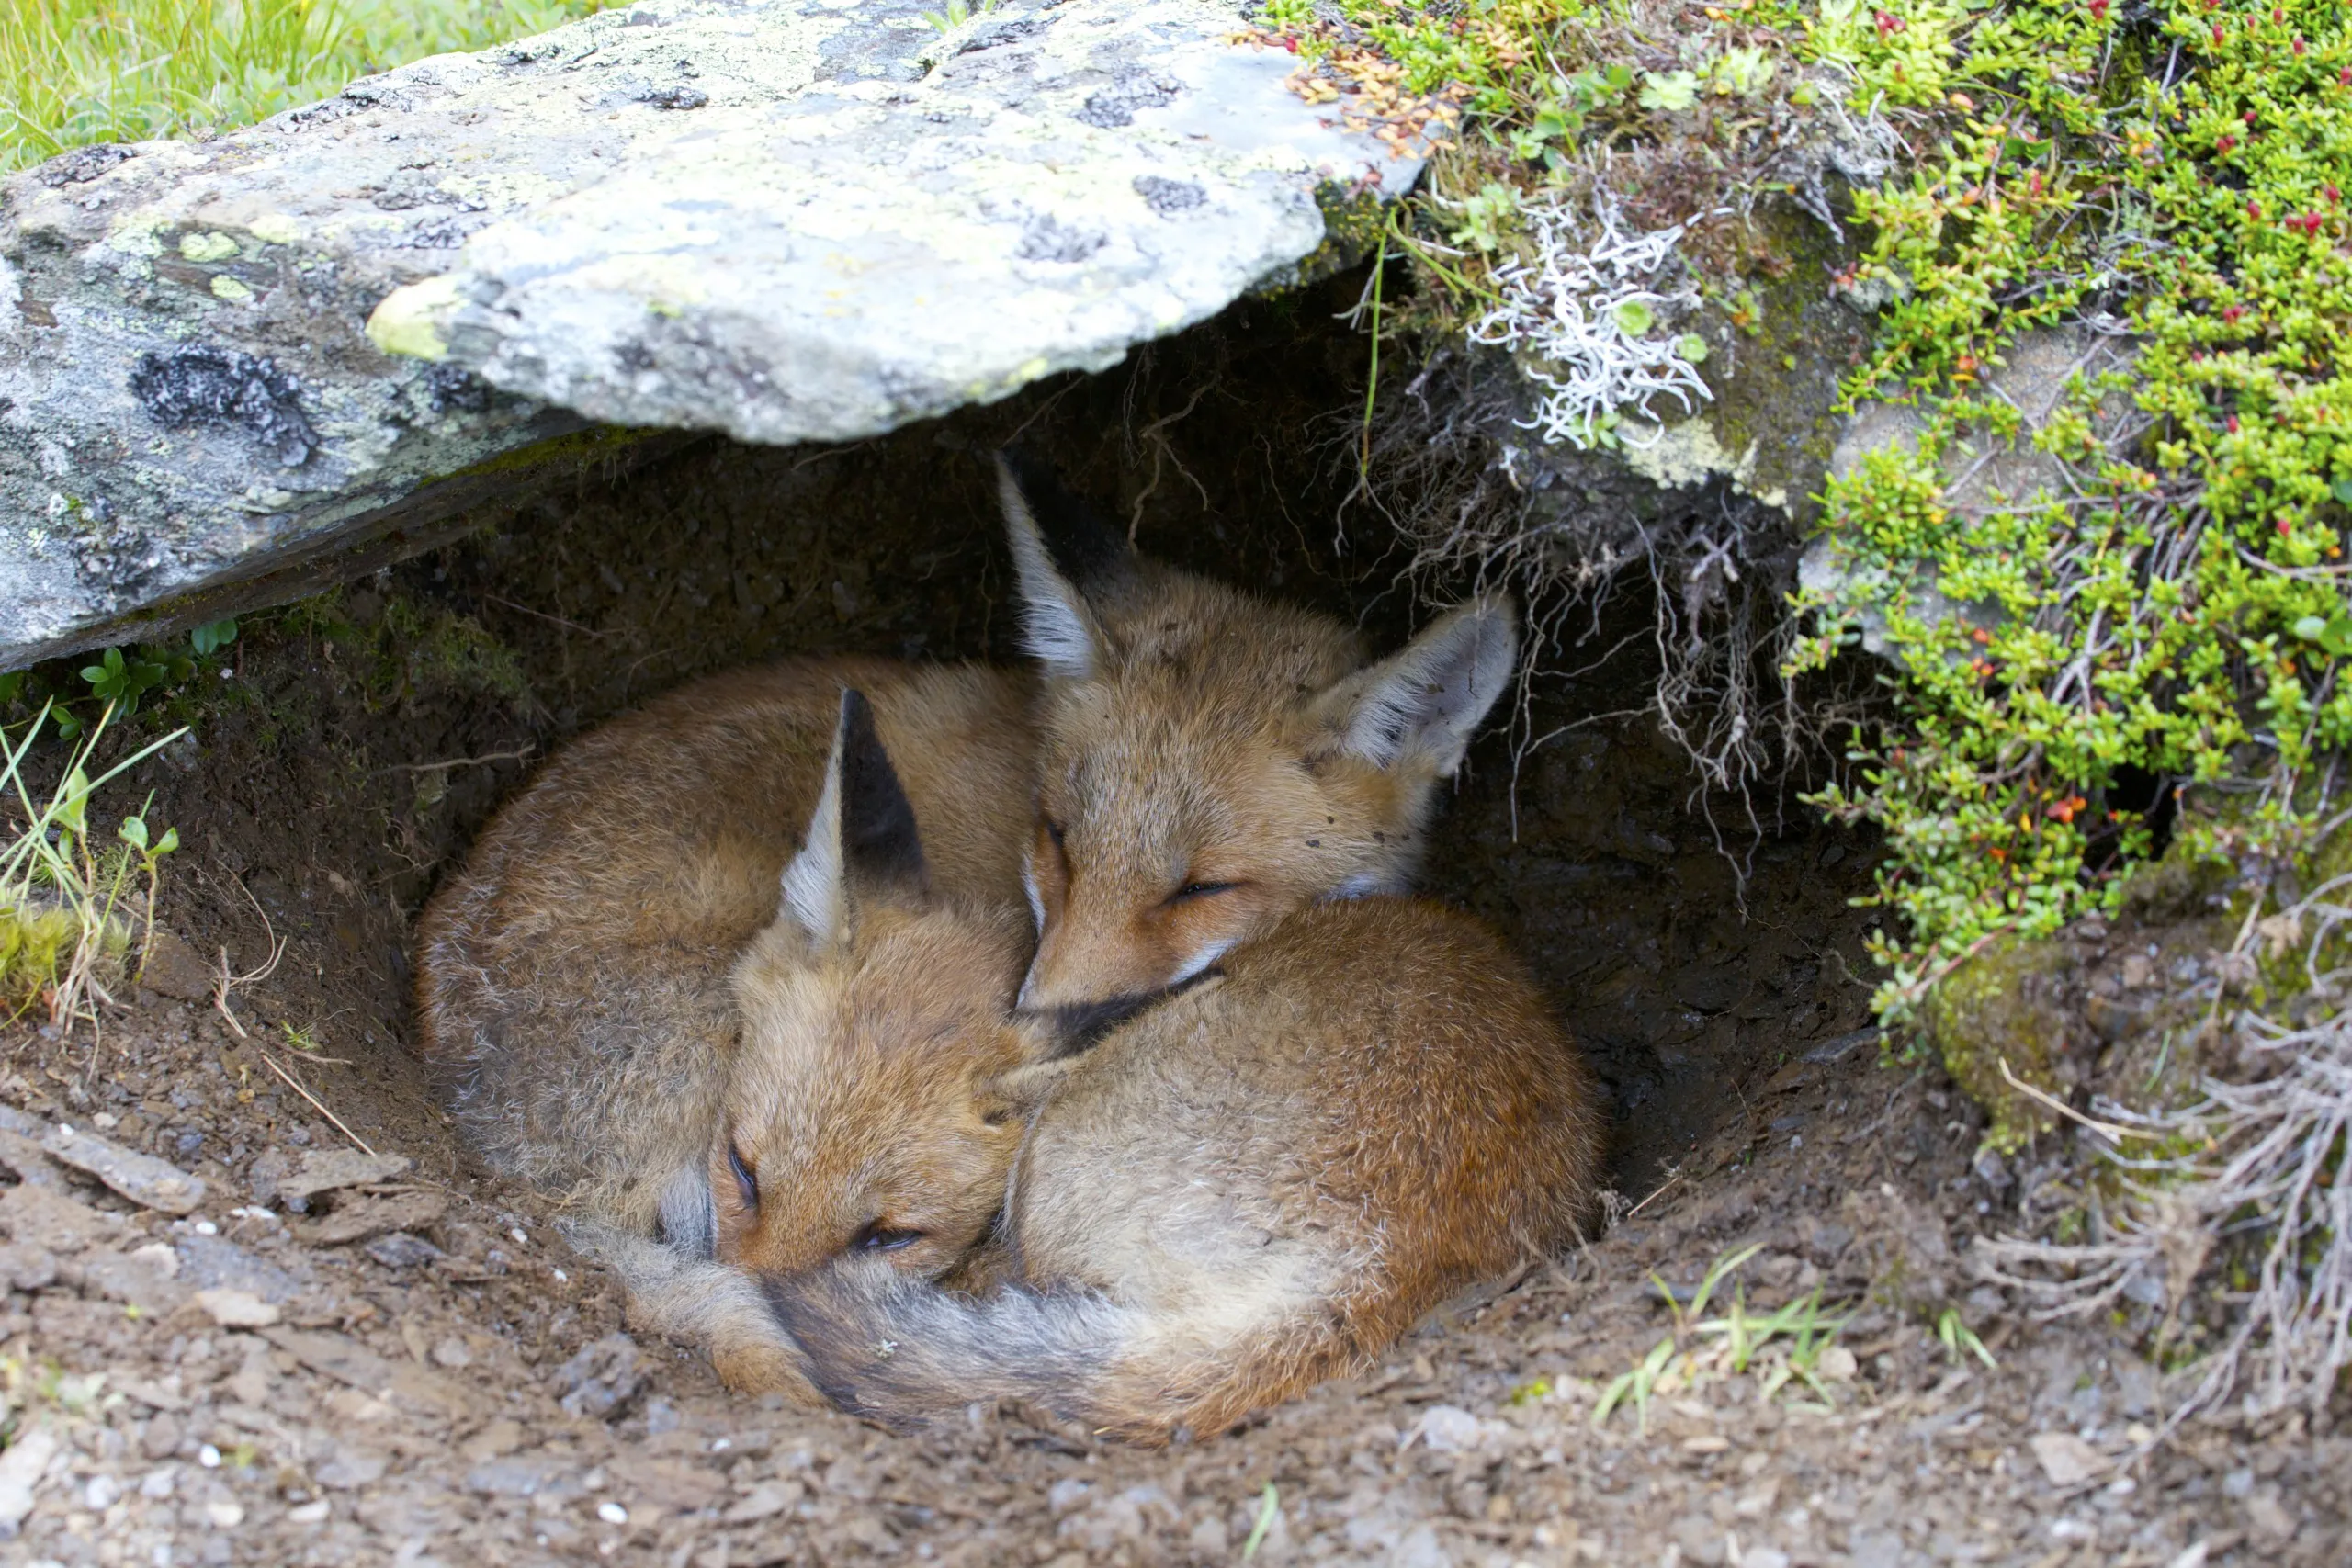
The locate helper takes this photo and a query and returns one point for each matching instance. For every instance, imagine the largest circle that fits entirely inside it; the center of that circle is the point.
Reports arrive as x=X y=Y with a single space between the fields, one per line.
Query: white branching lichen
x=1572 y=307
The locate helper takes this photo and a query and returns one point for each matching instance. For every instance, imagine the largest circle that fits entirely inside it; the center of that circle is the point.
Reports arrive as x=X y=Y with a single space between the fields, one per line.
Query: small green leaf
x=133 y=832
x=1633 y=318
x=167 y=843
x=214 y=636
x=12 y=685
x=1691 y=348
x=2341 y=491
x=1669 y=91
x=74 y=803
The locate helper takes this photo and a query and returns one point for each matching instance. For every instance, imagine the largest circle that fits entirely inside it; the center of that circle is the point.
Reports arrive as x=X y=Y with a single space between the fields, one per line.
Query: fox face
x=866 y=1110
x=1209 y=761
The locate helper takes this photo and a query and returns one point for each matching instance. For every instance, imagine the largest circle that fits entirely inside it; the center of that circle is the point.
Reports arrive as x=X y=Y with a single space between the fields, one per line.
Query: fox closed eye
x=1200 y=890
x=879 y=1237
x=745 y=1182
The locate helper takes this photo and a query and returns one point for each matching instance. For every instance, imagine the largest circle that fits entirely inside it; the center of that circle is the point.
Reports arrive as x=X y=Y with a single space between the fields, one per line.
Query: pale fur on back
x=572 y=980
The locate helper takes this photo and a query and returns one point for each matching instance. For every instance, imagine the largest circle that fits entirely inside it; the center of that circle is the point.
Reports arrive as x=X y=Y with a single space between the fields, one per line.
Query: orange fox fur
x=578 y=982
x=1209 y=761
x=1244 y=1190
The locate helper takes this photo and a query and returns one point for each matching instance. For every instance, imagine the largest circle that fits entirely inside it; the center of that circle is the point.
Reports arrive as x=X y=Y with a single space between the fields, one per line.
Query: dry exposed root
x=1469 y=505
x=2256 y=1177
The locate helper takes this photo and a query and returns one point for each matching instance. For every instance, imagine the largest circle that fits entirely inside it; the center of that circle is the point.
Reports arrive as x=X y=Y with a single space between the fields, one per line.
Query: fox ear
x=1428 y=698
x=1061 y=549
x=862 y=839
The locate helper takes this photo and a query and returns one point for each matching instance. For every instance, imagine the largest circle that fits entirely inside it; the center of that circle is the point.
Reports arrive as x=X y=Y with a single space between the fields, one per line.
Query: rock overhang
x=782 y=220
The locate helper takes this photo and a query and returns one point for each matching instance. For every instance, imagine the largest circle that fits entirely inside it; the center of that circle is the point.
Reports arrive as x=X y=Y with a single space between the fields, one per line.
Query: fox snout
x=1074 y=1028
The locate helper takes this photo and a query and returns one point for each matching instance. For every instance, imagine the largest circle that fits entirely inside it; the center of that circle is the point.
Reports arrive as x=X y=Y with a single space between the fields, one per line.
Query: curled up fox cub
x=632 y=1017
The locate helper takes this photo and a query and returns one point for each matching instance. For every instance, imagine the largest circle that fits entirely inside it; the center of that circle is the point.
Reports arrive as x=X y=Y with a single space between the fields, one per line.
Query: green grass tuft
x=75 y=71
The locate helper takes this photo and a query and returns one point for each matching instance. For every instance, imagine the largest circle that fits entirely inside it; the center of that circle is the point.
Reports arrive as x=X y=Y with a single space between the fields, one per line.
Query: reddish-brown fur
x=1250 y=1188
x=577 y=982
x=1209 y=761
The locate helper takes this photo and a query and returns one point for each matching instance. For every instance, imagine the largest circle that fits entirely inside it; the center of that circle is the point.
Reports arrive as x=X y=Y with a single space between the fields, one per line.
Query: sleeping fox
x=1244 y=1189
x=924 y=1198
x=1209 y=761
x=575 y=980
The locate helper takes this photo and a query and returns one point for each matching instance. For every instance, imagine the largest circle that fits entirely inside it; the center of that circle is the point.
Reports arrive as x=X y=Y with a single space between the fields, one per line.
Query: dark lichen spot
x=1051 y=240
x=83 y=164
x=222 y=386
x=1132 y=89
x=453 y=388
x=440 y=232
x=1169 y=197
x=1009 y=29
x=671 y=98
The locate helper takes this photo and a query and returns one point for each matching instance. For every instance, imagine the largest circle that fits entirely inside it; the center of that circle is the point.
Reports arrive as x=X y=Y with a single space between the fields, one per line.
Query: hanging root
x=1721 y=566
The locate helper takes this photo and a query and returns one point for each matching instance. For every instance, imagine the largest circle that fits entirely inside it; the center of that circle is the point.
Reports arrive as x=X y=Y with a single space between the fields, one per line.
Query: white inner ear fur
x=1054 y=619
x=1428 y=698
x=814 y=895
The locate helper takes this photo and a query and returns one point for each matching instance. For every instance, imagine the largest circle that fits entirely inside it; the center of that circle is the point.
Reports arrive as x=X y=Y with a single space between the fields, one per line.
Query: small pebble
x=611 y=1513
x=206 y=1227
x=209 y=1457
x=225 y=1516
x=308 y=1514
x=100 y=1493
x=519 y=1236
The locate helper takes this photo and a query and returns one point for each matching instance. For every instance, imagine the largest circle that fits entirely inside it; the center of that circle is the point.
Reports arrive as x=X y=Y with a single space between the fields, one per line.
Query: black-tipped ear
x=862 y=840
x=881 y=849
x=1085 y=549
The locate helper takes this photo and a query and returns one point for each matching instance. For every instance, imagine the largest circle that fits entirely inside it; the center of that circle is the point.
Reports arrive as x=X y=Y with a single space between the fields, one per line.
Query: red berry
x=2232 y=422
x=2284 y=528
x=2226 y=145
x=2217 y=32
x=2333 y=195
x=2253 y=209
x=2299 y=46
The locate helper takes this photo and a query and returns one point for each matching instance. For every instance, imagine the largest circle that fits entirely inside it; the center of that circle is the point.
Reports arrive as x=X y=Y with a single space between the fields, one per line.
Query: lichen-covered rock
x=785 y=220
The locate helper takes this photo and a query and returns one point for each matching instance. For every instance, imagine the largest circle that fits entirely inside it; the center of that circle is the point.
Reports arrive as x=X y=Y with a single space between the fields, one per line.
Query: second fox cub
x=574 y=981
x=1246 y=1189
x=1209 y=761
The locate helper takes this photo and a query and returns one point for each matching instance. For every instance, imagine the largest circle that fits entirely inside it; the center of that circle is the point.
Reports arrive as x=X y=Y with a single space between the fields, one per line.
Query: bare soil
x=443 y=1382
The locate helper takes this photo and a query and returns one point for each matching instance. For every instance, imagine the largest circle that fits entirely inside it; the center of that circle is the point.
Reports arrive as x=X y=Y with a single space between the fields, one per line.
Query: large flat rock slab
x=232 y=370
